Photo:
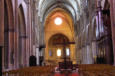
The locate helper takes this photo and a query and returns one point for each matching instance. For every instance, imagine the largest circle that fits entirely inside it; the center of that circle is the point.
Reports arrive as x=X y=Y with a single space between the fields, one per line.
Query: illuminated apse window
x=58 y=21
x=67 y=51
x=58 y=52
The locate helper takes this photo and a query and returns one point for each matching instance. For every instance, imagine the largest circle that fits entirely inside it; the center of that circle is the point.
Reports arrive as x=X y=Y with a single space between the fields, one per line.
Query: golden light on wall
x=58 y=52
x=58 y=20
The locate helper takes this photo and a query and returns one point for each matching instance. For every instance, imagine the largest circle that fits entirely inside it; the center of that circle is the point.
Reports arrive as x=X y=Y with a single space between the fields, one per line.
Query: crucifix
x=64 y=43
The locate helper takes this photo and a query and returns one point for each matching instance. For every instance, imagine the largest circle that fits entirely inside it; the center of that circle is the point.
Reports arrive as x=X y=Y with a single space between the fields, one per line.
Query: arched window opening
x=67 y=52
x=58 y=52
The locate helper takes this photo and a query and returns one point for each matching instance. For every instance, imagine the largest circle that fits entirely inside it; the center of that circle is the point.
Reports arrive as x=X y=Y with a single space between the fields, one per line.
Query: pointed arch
x=21 y=37
x=8 y=34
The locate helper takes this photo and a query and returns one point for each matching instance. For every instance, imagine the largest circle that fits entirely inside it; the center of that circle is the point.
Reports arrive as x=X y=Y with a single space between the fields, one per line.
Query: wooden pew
x=31 y=71
x=96 y=70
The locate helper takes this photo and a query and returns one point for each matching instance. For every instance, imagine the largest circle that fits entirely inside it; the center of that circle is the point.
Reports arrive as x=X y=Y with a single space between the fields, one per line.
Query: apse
x=58 y=23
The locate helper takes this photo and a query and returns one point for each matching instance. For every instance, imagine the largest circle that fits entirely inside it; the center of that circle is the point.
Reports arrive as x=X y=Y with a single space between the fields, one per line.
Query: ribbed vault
x=46 y=6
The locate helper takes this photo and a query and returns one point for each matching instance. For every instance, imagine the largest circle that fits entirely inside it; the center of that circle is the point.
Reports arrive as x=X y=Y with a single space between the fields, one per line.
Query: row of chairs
x=31 y=71
x=96 y=70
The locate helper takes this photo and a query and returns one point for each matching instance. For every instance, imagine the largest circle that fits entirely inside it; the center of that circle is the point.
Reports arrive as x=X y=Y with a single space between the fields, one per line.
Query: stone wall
x=20 y=33
x=86 y=38
x=89 y=44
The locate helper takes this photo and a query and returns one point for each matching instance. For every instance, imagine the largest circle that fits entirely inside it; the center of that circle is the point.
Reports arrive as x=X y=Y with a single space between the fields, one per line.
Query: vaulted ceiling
x=71 y=6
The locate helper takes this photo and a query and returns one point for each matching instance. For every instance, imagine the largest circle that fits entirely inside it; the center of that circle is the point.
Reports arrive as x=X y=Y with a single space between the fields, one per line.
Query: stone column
x=89 y=54
x=2 y=29
x=94 y=51
x=16 y=35
x=112 y=11
x=29 y=43
x=37 y=55
x=108 y=50
x=78 y=56
x=24 y=52
x=1 y=59
x=11 y=48
x=72 y=52
x=84 y=54
x=29 y=27
x=28 y=32
x=43 y=39
x=10 y=32
x=1 y=22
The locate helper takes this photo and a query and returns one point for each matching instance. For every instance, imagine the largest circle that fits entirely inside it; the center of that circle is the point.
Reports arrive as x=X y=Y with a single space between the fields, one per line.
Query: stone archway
x=66 y=28
x=55 y=43
x=21 y=37
x=107 y=24
x=71 y=10
x=8 y=35
x=102 y=38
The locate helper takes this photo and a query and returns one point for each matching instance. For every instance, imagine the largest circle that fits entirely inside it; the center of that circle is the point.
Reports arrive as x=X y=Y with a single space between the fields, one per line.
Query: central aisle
x=72 y=74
